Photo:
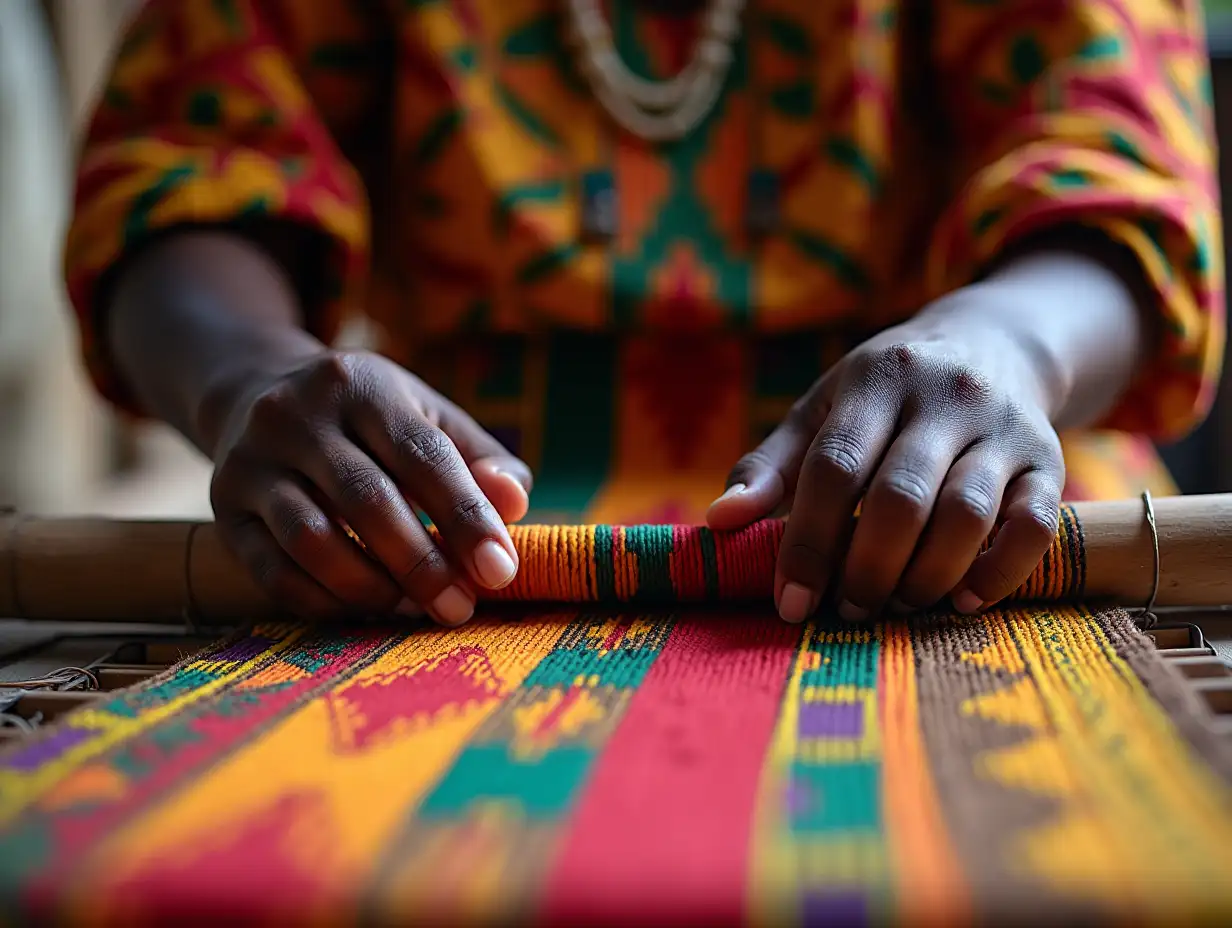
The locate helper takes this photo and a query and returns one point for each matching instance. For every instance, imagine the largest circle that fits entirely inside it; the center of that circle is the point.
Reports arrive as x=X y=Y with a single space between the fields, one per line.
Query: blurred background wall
x=61 y=450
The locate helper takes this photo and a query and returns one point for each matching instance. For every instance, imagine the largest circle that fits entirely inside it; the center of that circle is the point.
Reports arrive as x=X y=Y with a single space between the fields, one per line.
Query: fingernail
x=409 y=609
x=967 y=602
x=898 y=607
x=796 y=603
x=731 y=492
x=453 y=607
x=515 y=481
x=494 y=565
x=851 y=612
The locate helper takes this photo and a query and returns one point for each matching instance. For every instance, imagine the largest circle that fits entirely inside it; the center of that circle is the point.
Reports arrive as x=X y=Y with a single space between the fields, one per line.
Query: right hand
x=352 y=437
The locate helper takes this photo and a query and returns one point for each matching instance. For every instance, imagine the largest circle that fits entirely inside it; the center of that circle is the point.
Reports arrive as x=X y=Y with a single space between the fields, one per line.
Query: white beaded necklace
x=657 y=111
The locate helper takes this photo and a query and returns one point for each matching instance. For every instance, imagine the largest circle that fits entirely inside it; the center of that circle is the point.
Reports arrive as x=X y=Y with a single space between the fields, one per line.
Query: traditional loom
x=628 y=736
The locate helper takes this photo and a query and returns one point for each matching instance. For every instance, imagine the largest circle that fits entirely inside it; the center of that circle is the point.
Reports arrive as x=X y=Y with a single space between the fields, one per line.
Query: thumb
x=764 y=479
x=505 y=481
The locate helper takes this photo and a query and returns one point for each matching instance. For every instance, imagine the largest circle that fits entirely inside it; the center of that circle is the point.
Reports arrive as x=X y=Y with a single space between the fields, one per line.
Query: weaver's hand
x=353 y=437
x=940 y=426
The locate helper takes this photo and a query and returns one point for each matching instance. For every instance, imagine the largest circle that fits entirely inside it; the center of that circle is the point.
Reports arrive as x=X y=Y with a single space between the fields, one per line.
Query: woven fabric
x=590 y=768
x=680 y=765
x=690 y=564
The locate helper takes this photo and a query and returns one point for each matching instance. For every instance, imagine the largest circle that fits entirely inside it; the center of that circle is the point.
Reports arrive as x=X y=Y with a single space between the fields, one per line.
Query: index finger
x=836 y=468
x=429 y=468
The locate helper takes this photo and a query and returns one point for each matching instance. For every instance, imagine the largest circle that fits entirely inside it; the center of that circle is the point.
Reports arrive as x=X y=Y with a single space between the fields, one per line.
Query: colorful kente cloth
x=685 y=564
x=699 y=765
x=667 y=768
x=635 y=746
x=437 y=150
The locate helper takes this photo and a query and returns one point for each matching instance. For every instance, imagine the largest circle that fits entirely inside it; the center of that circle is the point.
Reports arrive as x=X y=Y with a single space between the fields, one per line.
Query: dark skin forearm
x=1077 y=310
x=945 y=426
x=207 y=333
x=195 y=318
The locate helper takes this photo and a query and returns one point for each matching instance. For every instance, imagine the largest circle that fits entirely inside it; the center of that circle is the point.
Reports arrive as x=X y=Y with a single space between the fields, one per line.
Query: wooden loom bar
x=157 y=571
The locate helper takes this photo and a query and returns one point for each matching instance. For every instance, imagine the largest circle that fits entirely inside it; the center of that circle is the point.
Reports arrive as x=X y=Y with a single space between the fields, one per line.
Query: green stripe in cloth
x=653 y=546
x=605 y=568
x=137 y=223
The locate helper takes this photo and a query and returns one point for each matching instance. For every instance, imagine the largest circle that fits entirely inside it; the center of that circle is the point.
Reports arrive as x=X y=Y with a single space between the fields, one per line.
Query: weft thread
x=683 y=563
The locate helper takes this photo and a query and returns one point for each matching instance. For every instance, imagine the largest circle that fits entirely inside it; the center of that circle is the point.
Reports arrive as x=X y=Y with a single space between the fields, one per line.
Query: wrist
x=1041 y=375
x=232 y=386
x=1084 y=305
x=991 y=336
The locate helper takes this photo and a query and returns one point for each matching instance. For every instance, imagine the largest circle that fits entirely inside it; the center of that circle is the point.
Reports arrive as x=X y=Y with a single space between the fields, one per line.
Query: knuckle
x=968 y=387
x=335 y=369
x=905 y=357
x=1012 y=418
x=363 y=488
x=897 y=362
x=301 y=530
x=996 y=582
x=429 y=448
x=803 y=562
x=906 y=489
x=274 y=408
x=975 y=501
x=469 y=512
x=836 y=458
x=871 y=365
x=1042 y=521
x=423 y=569
x=748 y=465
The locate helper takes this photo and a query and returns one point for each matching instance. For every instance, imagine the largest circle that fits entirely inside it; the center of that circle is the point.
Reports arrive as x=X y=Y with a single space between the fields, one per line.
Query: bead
x=656 y=110
x=592 y=26
x=723 y=24
x=715 y=54
x=607 y=63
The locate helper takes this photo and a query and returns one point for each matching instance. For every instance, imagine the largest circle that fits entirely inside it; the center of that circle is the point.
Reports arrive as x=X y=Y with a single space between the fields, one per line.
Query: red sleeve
x=217 y=113
x=1098 y=113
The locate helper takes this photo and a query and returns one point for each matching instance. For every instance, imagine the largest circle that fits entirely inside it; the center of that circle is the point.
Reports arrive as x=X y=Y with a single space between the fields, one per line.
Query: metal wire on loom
x=1147 y=619
x=66 y=679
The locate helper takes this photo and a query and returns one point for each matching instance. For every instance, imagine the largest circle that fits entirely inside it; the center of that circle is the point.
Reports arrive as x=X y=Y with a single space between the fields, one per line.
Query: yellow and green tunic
x=441 y=149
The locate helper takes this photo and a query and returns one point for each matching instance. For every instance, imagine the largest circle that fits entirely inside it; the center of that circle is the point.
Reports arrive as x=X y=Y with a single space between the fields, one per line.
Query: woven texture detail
x=678 y=767
x=690 y=564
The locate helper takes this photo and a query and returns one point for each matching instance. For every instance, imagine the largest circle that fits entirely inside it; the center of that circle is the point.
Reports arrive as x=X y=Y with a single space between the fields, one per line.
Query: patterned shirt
x=440 y=148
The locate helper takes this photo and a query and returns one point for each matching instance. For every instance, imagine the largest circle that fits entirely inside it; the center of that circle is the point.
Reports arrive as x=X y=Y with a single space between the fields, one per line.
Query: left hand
x=942 y=425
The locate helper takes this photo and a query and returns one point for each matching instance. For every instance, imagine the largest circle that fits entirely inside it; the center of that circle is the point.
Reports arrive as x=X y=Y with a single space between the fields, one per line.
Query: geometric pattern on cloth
x=695 y=766
x=685 y=563
x=910 y=143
